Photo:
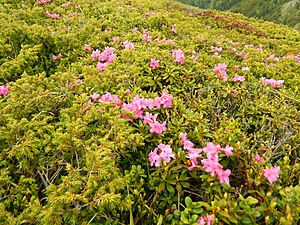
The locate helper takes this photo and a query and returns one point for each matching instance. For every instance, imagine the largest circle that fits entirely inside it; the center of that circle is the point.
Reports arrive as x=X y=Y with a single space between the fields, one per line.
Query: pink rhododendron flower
x=238 y=78
x=101 y=66
x=149 y=118
x=57 y=57
x=3 y=90
x=128 y=45
x=71 y=14
x=207 y=220
x=147 y=38
x=134 y=30
x=272 y=82
x=157 y=127
x=53 y=16
x=234 y=43
x=115 y=39
x=42 y=2
x=227 y=150
x=65 y=5
x=88 y=48
x=108 y=97
x=220 y=70
x=77 y=7
x=165 y=154
x=95 y=96
x=178 y=55
x=234 y=91
x=154 y=63
x=224 y=176
x=165 y=100
x=272 y=173
x=258 y=158
x=174 y=30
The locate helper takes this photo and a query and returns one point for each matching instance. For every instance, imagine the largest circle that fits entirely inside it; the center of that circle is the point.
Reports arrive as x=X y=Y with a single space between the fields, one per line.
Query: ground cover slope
x=142 y=112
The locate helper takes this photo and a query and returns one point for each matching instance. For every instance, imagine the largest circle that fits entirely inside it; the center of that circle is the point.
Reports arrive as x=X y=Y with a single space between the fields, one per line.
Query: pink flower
x=245 y=69
x=272 y=173
x=208 y=220
x=258 y=158
x=57 y=57
x=65 y=5
x=178 y=55
x=154 y=63
x=53 y=16
x=128 y=45
x=234 y=91
x=227 y=150
x=238 y=78
x=134 y=30
x=95 y=96
x=88 y=48
x=149 y=118
x=165 y=154
x=115 y=39
x=174 y=30
x=42 y=2
x=101 y=66
x=154 y=158
x=3 y=90
x=147 y=38
x=272 y=82
x=224 y=176
x=220 y=70
x=108 y=97
x=157 y=127
x=77 y=7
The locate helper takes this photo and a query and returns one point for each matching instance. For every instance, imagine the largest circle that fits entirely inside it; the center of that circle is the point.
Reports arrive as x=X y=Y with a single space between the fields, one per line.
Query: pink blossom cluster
x=216 y=50
x=3 y=90
x=238 y=78
x=207 y=220
x=210 y=164
x=272 y=173
x=150 y=14
x=57 y=57
x=108 y=97
x=42 y=2
x=178 y=55
x=138 y=105
x=193 y=153
x=166 y=41
x=128 y=45
x=165 y=154
x=272 y=82
x=273 y=57
x=154 y=63
x=105 y=58
x=71 y=14
x=234 y=43
x=173 y=29
x=116 y=39
x=65 y=5
x=88 y=48
x=53 y=16
x=220 y=70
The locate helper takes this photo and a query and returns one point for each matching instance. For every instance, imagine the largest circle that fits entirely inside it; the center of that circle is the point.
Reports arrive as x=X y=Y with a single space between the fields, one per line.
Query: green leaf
x=177 y=213
x=188 y=201
x=250 y=200
x=160 y=220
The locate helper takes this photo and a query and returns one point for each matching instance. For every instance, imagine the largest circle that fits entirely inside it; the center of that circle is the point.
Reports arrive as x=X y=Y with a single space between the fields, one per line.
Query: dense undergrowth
x=80 y=140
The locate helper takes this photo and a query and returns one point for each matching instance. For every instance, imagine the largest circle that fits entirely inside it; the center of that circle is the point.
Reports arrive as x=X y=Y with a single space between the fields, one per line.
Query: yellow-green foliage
x=63 y=162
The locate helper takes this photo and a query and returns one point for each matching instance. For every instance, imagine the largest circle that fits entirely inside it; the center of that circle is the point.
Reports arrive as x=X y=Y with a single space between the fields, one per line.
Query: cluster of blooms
x=57 y=57
x=137 y=107
x=272 y=82
x=65 y=5
x=105 y=58
x=210 y=164
x=234 y=43
x=154 y=63
x=166 y=41
x=128 y=45
x=173 y=29
x=146 y=36
x=272 y=173
x=220 y=70
x=165 y=154
x=208 y=220
x=42 y=2
x=238 y=78
x=3 y=90
x=116 y=39
x=53 y=16
x=71 y=14
x=150 y=14
x=273 y=57
x=178 y=55
x=216 y=50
